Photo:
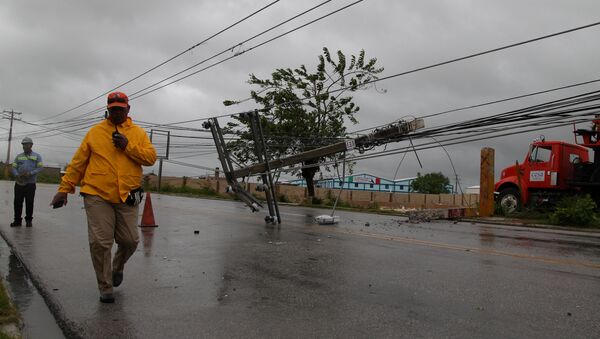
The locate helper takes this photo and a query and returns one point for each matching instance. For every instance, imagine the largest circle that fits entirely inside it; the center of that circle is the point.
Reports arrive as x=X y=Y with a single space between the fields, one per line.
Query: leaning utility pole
x=12 y=117
x=393 y=132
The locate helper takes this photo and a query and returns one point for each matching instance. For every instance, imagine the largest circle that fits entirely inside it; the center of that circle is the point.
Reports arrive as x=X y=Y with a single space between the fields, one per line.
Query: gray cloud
x=58 y=54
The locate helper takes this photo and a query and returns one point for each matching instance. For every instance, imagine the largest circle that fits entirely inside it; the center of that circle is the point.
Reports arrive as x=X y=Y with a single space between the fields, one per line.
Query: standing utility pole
x=486 y=183
x=12 y=117
x=161 y=155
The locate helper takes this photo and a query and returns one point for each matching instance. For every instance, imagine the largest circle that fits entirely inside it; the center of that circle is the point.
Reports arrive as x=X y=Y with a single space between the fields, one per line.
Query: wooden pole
x=486 y=183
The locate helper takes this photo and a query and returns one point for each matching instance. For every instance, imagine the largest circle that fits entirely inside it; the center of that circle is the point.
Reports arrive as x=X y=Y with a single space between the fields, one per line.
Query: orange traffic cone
x=148 y=215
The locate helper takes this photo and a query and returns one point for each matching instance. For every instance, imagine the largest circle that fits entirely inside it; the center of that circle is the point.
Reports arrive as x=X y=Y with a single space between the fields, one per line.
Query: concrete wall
x=292 y=193
x=297 y=194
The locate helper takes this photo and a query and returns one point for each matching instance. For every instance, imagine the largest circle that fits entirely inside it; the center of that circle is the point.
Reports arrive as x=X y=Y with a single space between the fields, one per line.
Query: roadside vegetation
x=48 y=179
x=41 y=178
x=8 y=312
x=571 y=211
x=576 y=211
x=186 y=191
x=431 y=183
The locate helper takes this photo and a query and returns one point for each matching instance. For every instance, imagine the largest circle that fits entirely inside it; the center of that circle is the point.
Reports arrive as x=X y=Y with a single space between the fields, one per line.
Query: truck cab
x=544 y=174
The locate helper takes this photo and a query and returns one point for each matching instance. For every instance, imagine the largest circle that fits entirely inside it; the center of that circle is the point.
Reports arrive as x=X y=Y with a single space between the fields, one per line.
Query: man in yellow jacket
x=108 y=165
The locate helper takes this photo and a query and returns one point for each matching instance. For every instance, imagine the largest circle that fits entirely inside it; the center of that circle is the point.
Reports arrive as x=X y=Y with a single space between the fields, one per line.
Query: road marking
x=587 y=264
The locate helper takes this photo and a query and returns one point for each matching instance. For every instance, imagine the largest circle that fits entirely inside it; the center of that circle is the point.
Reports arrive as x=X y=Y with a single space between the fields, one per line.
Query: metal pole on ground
x=160 y=162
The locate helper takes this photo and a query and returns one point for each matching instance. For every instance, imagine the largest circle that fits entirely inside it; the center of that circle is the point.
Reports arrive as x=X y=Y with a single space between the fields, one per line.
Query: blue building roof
x=362 y=182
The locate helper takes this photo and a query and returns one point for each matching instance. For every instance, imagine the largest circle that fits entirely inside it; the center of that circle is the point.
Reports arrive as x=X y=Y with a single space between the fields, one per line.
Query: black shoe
x=28 y=224
x=117 y=278
x=15 y=224
x=107 y=298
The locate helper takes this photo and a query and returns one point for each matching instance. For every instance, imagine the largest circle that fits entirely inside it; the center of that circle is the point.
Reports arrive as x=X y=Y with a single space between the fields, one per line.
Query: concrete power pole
x=12 y=117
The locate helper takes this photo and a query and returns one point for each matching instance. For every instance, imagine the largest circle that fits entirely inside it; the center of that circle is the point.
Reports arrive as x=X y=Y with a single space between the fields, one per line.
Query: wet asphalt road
x=238 y=278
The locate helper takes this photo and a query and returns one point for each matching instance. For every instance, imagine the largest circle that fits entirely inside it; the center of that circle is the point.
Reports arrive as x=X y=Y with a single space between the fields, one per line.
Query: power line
x=552 y=114
x=384 y=78
x=520 y=114
x=463 y=58
x=133 y=95
x=244 y=51
x=492 y=102
x=165 y=62
x=470 y=56
x=457 y=141
x=189 y=165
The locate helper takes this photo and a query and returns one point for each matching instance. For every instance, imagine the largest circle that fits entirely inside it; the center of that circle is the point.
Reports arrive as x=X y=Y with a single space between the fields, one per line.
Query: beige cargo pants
x=108 y=222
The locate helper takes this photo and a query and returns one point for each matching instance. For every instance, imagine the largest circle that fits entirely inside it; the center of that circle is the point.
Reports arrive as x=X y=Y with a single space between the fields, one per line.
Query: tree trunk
x=308 y=174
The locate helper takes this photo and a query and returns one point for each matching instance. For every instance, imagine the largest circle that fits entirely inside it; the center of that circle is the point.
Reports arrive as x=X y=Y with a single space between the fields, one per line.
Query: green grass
x=185 y=190
x=8 y=313
x=578 y=211
x=48 y=179
x=544 y=217
x=5 y=336
x=41 y=178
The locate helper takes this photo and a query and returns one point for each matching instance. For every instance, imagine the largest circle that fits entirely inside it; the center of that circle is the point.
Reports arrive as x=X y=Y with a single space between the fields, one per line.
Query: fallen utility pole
x=392 y=133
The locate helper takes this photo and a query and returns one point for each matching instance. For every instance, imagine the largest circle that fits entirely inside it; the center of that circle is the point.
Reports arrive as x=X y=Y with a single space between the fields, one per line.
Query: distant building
x=361 y=182
x=472 y=190
x=364 y=182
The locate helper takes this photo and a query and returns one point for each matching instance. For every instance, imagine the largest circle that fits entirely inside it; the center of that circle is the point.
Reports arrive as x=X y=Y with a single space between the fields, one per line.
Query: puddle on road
x=38 y=321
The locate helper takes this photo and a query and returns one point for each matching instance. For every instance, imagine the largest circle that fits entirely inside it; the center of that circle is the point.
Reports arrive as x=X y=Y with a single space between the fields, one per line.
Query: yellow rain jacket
x=104 y=170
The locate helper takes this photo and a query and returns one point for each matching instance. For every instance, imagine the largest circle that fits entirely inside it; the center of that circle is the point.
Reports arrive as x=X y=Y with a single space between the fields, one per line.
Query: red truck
x=552 y=169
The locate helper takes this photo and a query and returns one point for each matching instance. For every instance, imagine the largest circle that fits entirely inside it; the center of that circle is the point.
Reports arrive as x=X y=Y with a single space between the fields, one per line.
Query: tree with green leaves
x=431 y=183
x=303 y=110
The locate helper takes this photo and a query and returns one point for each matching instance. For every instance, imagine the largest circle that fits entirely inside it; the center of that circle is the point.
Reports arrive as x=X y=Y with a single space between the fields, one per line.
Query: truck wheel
x=509 y=200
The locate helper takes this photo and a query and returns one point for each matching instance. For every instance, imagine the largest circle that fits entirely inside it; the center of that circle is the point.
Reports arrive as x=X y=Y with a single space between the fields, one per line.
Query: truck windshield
x=540 y=153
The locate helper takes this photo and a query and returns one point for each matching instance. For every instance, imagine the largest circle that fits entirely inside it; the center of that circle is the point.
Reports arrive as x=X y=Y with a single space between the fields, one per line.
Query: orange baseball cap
x=117 y=99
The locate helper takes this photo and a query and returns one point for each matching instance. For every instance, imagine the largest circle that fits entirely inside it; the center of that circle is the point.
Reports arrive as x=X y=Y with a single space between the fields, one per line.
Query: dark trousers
x=27 y=193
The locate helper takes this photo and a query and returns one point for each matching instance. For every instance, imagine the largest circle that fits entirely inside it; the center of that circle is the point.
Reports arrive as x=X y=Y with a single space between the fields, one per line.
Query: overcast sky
x=57 y=55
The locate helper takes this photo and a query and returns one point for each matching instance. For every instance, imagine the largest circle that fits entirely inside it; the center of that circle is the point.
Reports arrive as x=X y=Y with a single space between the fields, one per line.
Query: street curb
x=69 y=328
x=589 y=232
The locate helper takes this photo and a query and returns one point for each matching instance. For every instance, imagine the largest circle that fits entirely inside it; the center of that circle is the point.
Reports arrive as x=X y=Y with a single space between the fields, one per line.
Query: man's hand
x=26 y=175
x=119 y=140
x=59 y=197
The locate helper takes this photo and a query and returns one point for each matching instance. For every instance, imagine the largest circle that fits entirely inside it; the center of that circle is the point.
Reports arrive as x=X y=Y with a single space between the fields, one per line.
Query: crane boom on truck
x=552 y=169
